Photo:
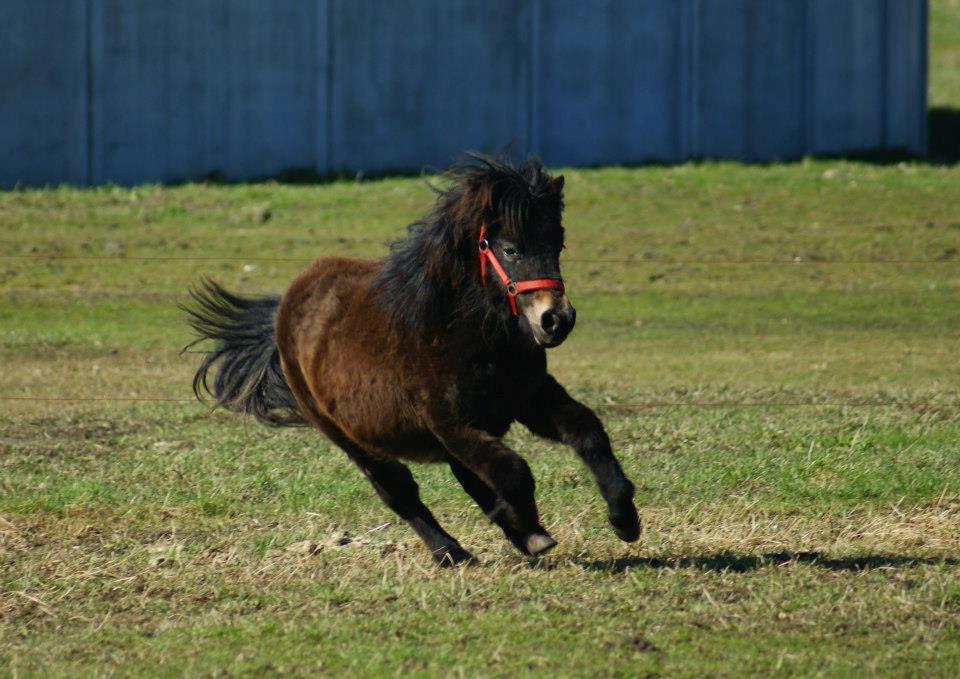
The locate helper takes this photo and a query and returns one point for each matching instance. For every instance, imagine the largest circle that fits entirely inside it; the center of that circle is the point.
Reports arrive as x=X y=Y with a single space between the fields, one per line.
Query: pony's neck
x=482 y=321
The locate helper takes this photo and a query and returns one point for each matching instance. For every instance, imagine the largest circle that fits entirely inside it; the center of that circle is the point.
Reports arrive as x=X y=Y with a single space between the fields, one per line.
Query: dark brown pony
x=418 y=357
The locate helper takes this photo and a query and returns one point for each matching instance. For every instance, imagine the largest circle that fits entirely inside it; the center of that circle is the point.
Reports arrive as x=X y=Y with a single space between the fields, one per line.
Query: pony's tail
x=248 y=379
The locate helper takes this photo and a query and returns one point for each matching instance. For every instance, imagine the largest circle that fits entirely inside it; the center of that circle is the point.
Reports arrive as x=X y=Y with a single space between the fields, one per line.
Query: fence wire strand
x=571 y=260
x=608 y=406
x=648 y=405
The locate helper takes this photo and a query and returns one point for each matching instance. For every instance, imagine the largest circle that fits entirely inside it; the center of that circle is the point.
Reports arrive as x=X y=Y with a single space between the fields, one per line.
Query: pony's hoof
x=626 y=525
x=536 y=544
x=453 y=556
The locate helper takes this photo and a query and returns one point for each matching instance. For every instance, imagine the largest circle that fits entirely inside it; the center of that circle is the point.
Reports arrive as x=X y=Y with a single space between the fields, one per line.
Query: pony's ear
x=481 y=195
x=555 y=185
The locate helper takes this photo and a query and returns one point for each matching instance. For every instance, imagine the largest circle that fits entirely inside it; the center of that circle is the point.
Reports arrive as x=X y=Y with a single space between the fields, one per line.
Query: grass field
x=776 y=364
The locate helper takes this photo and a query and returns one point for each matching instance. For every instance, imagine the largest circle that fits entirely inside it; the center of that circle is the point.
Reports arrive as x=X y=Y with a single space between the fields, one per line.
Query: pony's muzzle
x=556 y=325
x=550 y=315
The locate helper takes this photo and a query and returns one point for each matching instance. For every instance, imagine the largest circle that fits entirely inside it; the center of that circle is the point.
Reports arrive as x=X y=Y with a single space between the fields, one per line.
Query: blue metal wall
x=138 y=90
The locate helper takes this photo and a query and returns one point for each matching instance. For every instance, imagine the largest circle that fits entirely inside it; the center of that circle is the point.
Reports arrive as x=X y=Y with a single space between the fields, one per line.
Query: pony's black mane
x=430 y=279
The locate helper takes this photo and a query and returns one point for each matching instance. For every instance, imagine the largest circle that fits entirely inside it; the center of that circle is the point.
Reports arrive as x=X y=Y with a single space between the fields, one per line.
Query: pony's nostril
x=549 y=321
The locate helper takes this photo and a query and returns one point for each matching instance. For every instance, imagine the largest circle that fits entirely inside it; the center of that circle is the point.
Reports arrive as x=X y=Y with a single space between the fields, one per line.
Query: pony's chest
x=492 y=392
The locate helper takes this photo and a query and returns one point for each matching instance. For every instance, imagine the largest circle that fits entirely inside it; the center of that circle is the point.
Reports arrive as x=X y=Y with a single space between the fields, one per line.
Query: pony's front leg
x=500 y=482
x=496 y=510
x=555 y=415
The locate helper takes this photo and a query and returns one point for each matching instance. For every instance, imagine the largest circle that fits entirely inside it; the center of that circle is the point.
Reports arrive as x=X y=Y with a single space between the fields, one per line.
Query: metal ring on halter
x=484 y=245
x=512 y=288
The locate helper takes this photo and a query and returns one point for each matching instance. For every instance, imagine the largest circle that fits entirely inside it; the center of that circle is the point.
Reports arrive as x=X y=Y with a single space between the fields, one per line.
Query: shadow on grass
x=741 y=563
x=944 y=127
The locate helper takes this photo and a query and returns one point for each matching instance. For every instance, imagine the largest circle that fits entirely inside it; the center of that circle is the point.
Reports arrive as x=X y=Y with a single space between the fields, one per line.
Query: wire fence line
x=571 y=260
x=647 y=405
x=603 y=406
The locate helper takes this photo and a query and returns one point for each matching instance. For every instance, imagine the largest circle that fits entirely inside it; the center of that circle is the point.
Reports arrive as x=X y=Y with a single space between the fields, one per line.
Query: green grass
x=944 y=88
x=816 y=538
x=792 y=533
x=792 y=423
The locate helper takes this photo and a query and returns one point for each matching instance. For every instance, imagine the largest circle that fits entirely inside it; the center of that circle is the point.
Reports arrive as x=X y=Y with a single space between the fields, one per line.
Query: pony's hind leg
x=396 y=487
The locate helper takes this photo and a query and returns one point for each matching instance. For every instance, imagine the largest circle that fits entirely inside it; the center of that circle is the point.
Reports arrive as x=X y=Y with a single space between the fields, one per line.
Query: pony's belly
x=417 y=446
x=387 y=432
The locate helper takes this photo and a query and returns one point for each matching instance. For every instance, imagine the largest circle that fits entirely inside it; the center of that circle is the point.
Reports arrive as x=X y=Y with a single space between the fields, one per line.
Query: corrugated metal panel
x=414 y=83
x=609 y=84
x=750 y=96
x=906 y=77
x=43 y=92
x=134 y=90
x=848 y=61
x=182 y=88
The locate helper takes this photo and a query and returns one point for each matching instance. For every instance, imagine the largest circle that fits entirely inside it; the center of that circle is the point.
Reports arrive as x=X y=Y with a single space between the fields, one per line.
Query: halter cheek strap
x=513 y=288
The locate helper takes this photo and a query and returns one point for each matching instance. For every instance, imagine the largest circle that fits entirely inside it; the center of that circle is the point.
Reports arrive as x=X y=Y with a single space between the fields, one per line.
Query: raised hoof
x=626 y=525
x=536 y=544
x=453 y=556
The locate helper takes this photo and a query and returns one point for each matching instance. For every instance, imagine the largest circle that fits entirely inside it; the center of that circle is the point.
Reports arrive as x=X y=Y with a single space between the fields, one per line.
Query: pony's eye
x=510 y=251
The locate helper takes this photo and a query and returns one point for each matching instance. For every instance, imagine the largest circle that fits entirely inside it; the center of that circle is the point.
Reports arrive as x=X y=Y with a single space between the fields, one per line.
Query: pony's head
x=488 y=252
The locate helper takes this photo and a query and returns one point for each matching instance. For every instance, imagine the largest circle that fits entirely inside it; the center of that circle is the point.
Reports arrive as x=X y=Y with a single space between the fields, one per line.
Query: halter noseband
x=513 y=288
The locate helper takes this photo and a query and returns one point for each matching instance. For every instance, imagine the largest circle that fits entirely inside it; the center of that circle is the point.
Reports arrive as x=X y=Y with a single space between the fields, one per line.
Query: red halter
x=513 y=289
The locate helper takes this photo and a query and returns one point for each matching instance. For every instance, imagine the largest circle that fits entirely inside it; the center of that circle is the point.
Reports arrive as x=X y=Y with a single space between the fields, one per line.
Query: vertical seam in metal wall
x=923 y=143
x=884 y=73
x=330 y=95
x=804 y=27
x=228 y=89
x=809 y=79
x=695 y=149
x=680 y=101
x=533 y=92
x=748 y=142
x=688 y=69
x=318 y=10
x=88 y=92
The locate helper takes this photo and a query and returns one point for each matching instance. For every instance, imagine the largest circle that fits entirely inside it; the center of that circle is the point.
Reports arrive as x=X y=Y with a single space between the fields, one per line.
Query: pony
x=427 y=355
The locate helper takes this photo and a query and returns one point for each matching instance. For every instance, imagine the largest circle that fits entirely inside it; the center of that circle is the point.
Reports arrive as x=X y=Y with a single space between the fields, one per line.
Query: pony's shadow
x=742 y=563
